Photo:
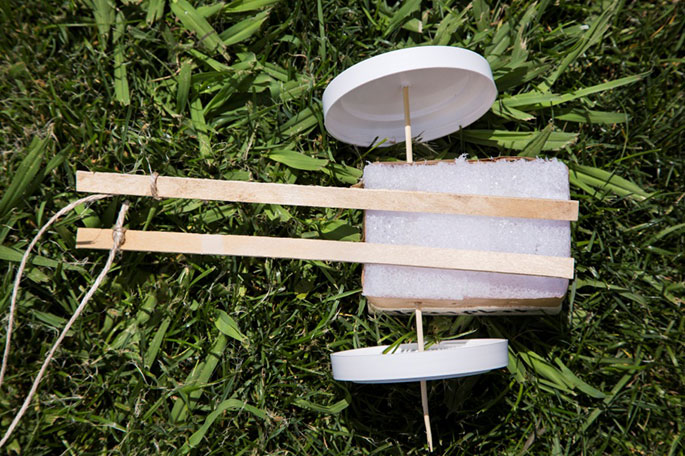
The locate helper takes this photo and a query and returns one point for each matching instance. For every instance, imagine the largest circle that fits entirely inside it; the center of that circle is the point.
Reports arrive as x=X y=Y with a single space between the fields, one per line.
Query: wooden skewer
x=407 y=125
x=322 y=250
x=419 y=319
x=336 y=197
x=424 y=387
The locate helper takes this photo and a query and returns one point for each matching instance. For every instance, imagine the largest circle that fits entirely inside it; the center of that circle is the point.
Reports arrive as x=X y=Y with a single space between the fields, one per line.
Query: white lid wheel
x=449 y=88
x=450 y=359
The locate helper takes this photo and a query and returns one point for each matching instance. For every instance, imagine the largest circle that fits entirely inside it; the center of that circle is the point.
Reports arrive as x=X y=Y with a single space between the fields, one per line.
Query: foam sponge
x=394 y=288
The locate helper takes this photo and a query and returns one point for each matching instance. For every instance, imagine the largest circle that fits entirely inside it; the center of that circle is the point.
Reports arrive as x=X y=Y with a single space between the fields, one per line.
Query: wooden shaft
x=335 y=197
x=426 y=415
x=407 y=125
x=419 y=328
x=322 y=250
x=419 y=319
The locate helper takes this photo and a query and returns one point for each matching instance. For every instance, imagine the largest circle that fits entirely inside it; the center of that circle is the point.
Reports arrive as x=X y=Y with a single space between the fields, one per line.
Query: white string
x=20 y=272
x=118 y=239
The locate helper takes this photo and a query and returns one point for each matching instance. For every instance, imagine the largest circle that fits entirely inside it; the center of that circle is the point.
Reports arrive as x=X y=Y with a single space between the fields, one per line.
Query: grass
x=207 y=355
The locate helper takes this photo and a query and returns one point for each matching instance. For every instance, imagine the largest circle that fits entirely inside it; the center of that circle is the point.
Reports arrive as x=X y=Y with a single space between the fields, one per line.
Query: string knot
x=118 y=236
x=118 y=231
x=153 y=186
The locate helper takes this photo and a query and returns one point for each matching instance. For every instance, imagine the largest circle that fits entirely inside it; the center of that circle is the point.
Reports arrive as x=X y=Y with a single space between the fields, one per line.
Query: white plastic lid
x=449 y=88
x=450 y=359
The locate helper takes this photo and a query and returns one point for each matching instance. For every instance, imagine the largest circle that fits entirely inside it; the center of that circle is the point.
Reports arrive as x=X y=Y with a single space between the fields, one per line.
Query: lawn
x=192 y=354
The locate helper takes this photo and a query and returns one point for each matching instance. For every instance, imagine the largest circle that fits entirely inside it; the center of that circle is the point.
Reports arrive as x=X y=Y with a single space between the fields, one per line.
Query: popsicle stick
x=335 y=197
x=316 y=249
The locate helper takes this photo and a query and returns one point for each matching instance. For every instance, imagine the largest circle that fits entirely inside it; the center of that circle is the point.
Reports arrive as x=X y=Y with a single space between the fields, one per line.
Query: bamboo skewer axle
x=419 y=320
x=334 y=197
x=407 y=125
x=424 y=386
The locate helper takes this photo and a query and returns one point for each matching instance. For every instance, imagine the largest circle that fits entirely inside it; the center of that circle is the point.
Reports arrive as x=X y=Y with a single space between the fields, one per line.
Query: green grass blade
x=594 y=117
x=607 y=400
x=197 y=118
x=229 y=326
x=520 y=53
x=210 y=62
x=290 y=90
x=332 y=409
x=13 y=255
x=402 y=15
x=338 y=230
x=509 y=77
x=344 y=173
x=508 y=112
x=243 y=6
x=480 y=13
x=297 y=160
x=184 y=77
x=197 y=379
x=571 y=379
x=121 y=91
x=575 y=181
x=156 y=343
x=603 y=87
x=24 y=175
x=413 y=25
x=534 y=147
x=517 y=140
x=594 y=35
x=600 y=178
x=155 y=10
x=300 y=123
x=448 y=26
x=210 y=10
x=500 y=42
x=322 y=30
x=544 y=369
x=104 y=18
x=194 y=22
x=539 y=100
x=243 y=29
x=516 y=367
x=229 y=404
x=53 y=321
x=665 y=232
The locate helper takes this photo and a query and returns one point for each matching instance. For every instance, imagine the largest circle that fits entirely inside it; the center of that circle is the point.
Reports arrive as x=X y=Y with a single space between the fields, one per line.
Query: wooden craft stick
x=335 y=197
x=316 y=249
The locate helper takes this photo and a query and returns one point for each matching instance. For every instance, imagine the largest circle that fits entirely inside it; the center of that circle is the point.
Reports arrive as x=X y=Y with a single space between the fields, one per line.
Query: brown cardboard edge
x=467 y=306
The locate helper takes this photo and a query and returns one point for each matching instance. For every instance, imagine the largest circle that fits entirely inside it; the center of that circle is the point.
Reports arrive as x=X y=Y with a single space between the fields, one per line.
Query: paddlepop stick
x=419 y=319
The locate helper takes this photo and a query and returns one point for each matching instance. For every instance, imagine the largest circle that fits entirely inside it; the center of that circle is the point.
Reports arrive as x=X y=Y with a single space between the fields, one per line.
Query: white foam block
x=521 y=178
